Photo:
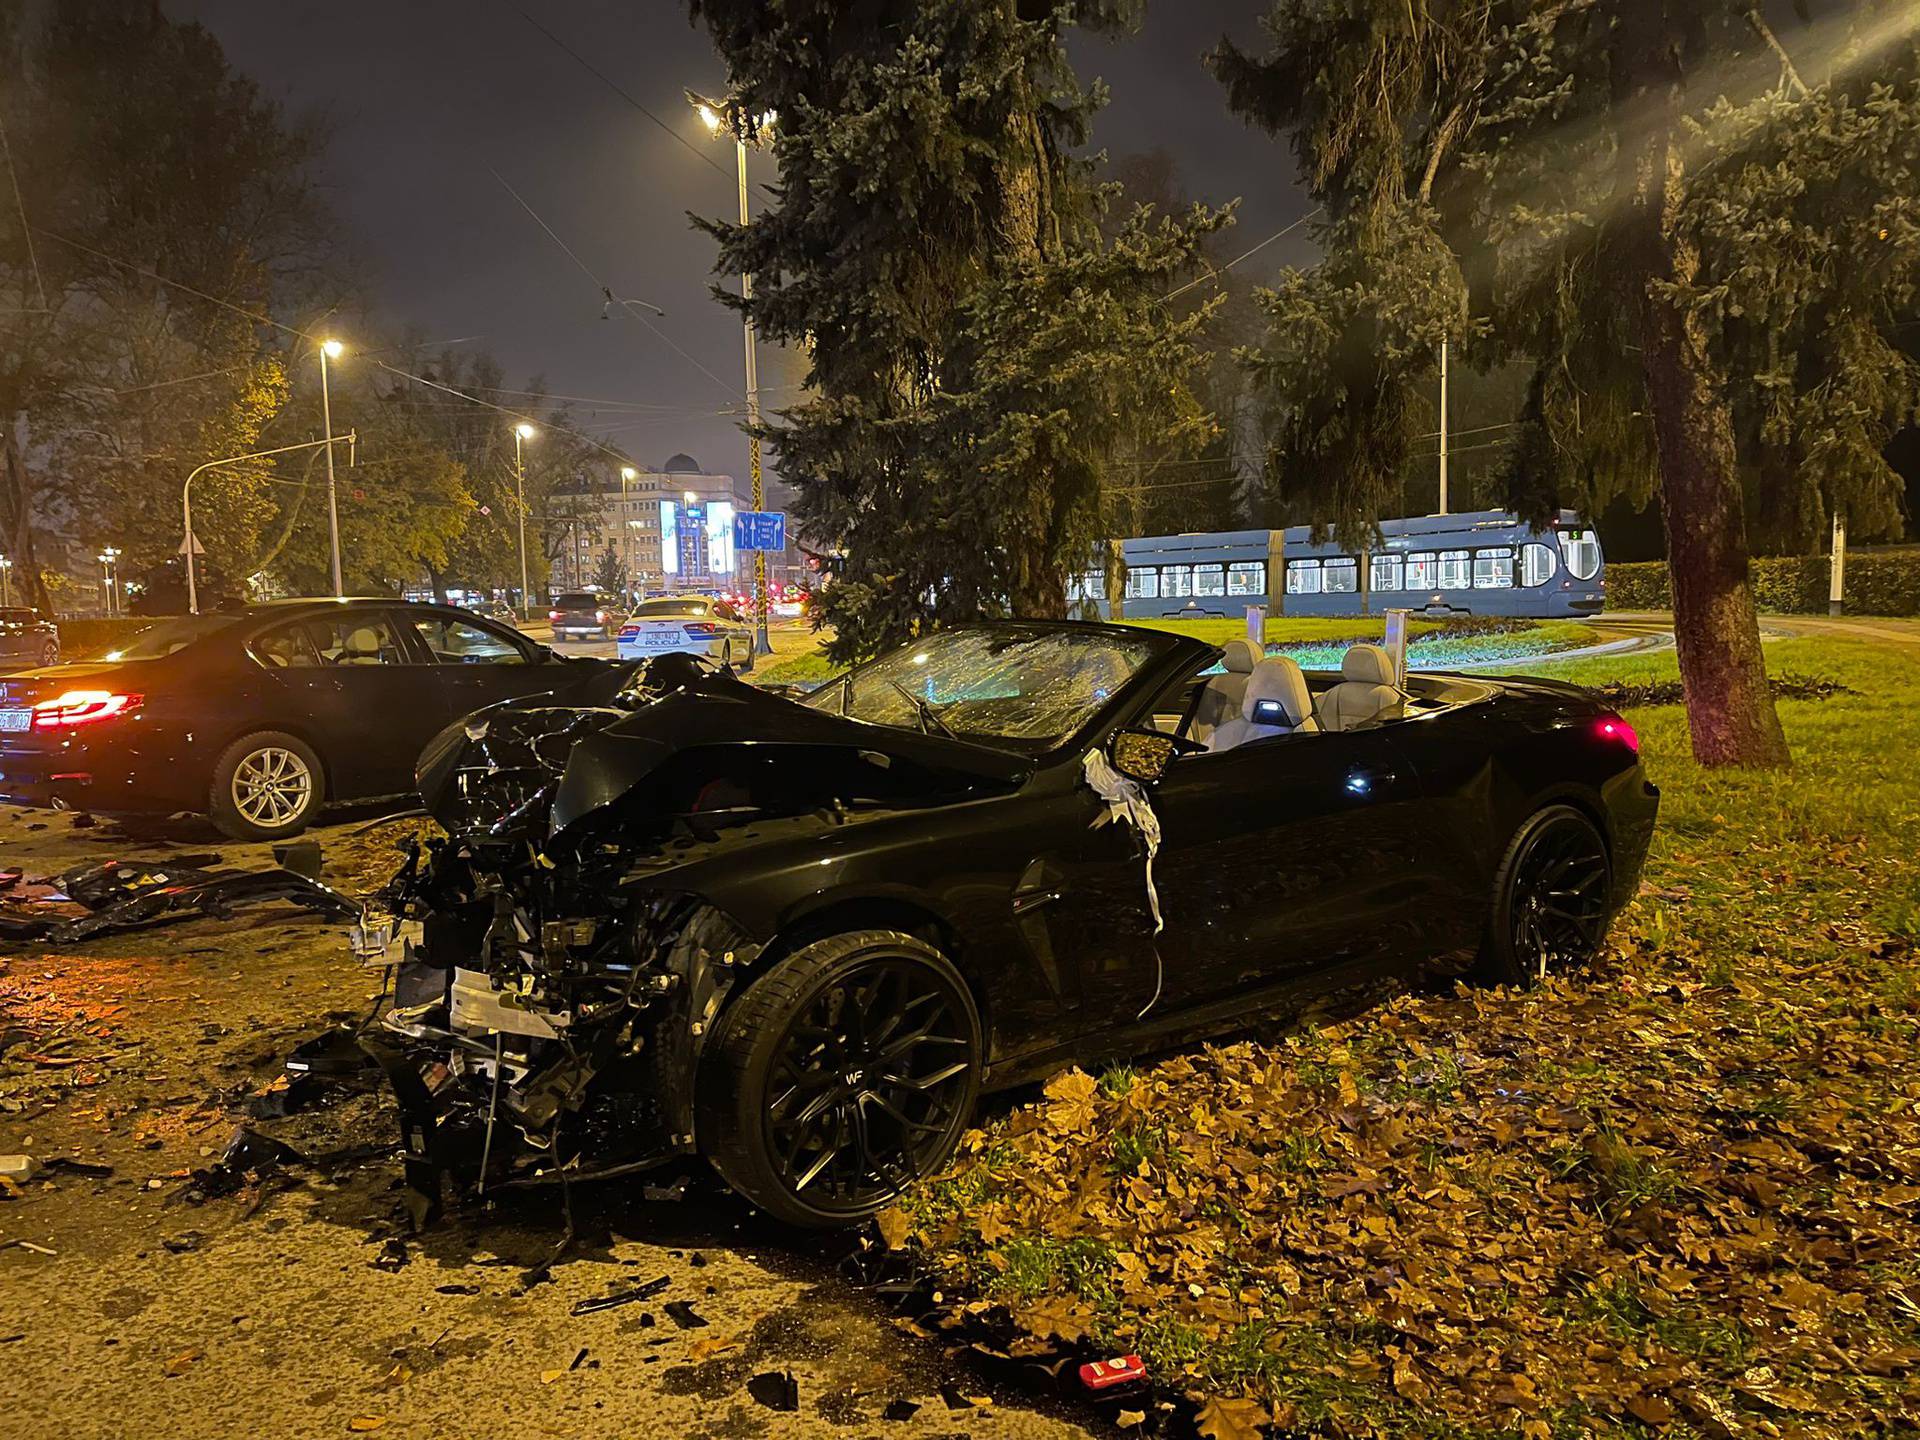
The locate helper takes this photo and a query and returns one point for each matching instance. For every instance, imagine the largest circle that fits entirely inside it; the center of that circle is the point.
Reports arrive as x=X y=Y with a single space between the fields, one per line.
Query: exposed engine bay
x=558 y=960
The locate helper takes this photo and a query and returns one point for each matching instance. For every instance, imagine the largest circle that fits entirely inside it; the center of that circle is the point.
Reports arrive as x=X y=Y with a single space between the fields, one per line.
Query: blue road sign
x=760 y=530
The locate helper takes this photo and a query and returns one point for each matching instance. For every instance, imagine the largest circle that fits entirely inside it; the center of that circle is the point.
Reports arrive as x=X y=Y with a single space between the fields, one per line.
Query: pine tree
x=1697 y=243
x=975 y=348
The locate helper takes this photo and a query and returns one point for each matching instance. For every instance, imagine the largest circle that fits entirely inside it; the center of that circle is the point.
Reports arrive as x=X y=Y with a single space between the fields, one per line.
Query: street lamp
x=108 y=573
x=716 y=118
x=331 y=350
x=627 y=476
x=522 y=431
x=6 y=580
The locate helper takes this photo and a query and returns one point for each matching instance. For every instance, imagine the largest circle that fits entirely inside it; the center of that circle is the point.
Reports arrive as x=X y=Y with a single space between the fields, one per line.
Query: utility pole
x=1443 y=426
x=330 y=349
x=1837 y=573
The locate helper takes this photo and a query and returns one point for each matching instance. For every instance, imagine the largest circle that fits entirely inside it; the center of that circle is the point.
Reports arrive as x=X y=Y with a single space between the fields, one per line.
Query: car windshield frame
x=889 y=689
x=175 y=633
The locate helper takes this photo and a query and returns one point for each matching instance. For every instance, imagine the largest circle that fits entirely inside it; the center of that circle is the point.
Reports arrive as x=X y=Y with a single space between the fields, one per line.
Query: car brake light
x=553 y=614
x=81 y=707
x=700 y=627
x=601 y=616
x=1612 y=727
x=628 y=631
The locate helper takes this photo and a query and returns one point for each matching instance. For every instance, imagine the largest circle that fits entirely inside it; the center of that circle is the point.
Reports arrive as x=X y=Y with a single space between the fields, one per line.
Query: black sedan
x=802 y=937
x=258 y=717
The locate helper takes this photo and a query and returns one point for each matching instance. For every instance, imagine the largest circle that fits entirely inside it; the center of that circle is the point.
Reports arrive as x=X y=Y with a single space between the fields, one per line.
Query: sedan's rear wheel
x=842 y=1075
x=50 y=653
x=265 y=786
x=1551 y=899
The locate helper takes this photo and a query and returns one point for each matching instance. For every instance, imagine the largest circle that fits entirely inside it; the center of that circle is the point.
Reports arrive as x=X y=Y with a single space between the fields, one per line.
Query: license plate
x=16 y=719
x=658 y=639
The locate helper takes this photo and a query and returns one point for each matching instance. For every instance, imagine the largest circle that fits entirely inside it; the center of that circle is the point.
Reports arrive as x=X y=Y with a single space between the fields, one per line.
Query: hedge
x=84 y=639
x=1876 y=584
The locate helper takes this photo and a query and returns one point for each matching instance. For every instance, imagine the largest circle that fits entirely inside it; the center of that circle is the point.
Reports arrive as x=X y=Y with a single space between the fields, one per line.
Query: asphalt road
x=303 y=1307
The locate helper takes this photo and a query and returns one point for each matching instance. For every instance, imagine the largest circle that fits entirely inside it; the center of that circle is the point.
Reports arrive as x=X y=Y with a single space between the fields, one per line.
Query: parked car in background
x=27 y=638
x=258 y=717
x=493 y=609
x=687 y=624
x=584 y=615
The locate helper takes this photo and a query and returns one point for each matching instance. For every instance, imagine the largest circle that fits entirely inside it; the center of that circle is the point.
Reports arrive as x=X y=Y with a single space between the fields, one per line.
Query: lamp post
x=108 y=575
x=331 y=350
x=6 y=580
x=522 y=431
x=715 y=121
x=627 y=476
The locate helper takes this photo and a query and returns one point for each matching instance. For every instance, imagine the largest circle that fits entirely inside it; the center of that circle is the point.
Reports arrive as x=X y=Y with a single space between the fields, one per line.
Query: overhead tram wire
x=1213 y=274
x=607 y=81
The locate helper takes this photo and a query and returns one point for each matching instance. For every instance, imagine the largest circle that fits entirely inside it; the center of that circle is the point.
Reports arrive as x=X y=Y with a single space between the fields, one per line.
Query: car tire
x=726 y=654
x=1552 y=899
x=812 y=1130
x=50 y=653
x=266 y=786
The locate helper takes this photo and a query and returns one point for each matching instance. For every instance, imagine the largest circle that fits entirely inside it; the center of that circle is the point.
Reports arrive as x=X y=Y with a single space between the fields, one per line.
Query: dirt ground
x=132 y=1304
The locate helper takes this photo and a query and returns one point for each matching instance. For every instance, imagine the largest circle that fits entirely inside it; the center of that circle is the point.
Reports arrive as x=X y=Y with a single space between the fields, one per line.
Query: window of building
x=1421 y=571
x=1247 y=577
x=1388 y=572
x=1456 y=569
x=1303 y=577
x=1493 y=569
x=1537 y=564
x=1143 y=582
x=1582 y=549
x=1342 y=576
x=1209 y=579
x=1176 y=581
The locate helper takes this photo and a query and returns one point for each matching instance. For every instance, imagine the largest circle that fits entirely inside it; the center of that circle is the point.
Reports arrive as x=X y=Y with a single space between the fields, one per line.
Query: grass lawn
x=1679 y=1196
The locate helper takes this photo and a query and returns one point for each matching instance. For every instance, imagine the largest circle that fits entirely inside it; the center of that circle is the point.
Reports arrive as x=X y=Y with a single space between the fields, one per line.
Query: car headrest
x=1367 y=664
x=1277 y=678
x=1242 y=656
x=363 y=640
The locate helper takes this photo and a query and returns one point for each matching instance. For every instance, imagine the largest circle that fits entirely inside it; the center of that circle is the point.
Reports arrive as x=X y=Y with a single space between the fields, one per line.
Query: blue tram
x=1482 y=563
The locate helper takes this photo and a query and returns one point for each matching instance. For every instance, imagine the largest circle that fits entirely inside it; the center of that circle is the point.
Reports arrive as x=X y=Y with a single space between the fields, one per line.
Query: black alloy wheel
x=843 y=1075
x=50 y=653
x=1552 y=898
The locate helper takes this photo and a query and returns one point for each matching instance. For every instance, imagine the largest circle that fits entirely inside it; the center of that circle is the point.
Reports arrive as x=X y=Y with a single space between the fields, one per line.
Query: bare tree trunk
x=16 y=503
x=1715 y=625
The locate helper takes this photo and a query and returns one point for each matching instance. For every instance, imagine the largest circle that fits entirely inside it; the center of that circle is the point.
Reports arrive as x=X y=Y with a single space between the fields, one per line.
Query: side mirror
x=1142 y=755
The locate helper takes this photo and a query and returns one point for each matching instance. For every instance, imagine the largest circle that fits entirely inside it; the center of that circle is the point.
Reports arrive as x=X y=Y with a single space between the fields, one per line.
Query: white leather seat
x=362 y=647
x=1220 y=701
x=1366 y=691
x=1276 y=688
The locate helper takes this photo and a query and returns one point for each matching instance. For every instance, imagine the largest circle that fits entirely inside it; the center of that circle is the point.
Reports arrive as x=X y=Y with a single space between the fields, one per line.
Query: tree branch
x=1765 y=32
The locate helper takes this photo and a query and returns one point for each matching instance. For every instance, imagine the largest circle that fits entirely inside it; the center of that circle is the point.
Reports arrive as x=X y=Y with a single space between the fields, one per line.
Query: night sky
x=425 y=97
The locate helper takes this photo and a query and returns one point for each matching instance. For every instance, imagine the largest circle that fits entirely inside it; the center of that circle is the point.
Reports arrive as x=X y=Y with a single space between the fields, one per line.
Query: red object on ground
x=1106 y=1374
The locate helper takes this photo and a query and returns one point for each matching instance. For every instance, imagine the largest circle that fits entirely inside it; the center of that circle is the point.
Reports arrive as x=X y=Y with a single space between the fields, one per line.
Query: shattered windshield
x=1008 y=682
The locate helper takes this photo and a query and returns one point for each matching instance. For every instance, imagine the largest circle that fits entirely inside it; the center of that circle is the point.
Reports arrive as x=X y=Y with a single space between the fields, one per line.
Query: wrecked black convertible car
x=801 y=937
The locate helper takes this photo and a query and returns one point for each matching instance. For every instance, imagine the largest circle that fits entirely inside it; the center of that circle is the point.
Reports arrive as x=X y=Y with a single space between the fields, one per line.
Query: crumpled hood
x=533 y=771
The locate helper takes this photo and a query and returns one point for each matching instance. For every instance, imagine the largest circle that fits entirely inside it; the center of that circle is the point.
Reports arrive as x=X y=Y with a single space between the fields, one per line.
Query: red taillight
x=1612 y=727
x=81 y=707
x=601 y=616
x=553 y=614
x=627 y=632
x=700 y=627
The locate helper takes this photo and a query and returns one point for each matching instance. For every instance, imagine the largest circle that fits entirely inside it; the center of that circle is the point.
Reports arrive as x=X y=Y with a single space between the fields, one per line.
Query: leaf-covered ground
x=1678 y=1196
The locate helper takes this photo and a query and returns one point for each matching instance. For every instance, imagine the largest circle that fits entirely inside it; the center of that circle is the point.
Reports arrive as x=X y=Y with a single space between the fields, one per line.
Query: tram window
x=1088 y=585
x=1303 y=577
x=1175 y=581
x=1456 y=569
x=1143 y=582
x=1209 y=580
x=1582 y=550
x=1388 y=572
x=1493 y=569
x=1342 y=576
x=1537 y=564
x=1420 y=571
x=1247 y=577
